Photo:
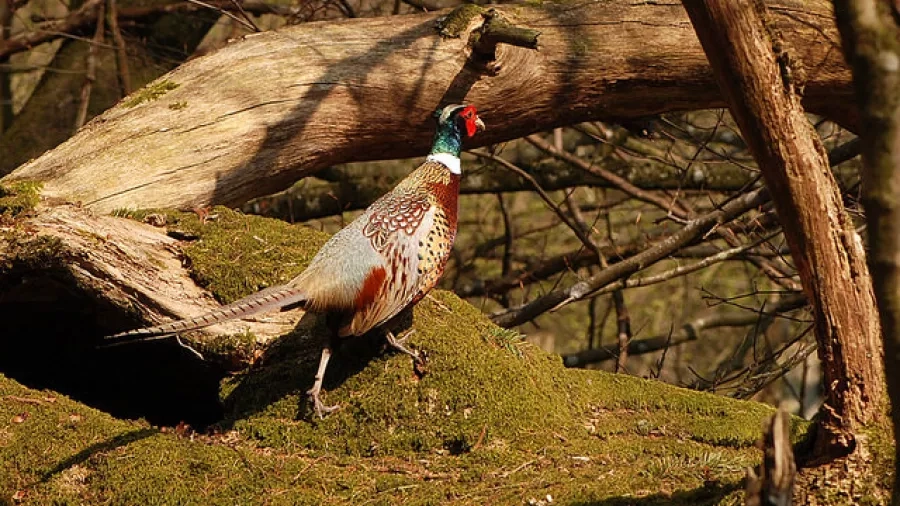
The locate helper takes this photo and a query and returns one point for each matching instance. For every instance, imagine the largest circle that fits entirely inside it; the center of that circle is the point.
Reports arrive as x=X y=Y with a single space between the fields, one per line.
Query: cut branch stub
x=495 y=29
x=498 y=30
x=457 y=21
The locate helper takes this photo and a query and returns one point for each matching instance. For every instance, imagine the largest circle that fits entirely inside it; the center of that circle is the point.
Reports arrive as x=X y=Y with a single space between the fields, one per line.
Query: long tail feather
x=264 y=301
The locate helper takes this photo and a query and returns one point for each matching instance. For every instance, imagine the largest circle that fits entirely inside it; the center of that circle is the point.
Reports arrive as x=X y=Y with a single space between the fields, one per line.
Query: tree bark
x=759 y=76
x=870 y=31
x=256 y=116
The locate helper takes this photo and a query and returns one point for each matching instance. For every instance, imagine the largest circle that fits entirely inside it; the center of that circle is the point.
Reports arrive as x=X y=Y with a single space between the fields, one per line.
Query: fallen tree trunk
x=262 y=113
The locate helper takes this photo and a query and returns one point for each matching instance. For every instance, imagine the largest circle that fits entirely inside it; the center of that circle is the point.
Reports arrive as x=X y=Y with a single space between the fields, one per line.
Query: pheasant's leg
x=400 y=345
x=318 y=405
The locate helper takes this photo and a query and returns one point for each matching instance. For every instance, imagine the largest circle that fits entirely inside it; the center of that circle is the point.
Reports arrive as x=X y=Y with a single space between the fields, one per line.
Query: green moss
x=150 y=92
x=457 y=21
x=233 y=255
x=234 y=351
x=177 y=106
x=54 y=450
x=879 y=441
x=19 y=196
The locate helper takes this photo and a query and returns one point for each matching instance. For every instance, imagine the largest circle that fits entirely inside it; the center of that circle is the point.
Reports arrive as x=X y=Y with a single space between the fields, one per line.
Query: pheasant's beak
x=479 y=125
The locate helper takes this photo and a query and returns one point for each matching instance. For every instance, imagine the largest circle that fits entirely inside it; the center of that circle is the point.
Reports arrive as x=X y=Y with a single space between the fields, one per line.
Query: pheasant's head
x=463 y=117
x=453 y=122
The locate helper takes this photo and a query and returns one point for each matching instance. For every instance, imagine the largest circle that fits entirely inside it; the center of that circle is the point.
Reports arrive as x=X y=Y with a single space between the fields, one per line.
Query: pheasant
x=384 y=261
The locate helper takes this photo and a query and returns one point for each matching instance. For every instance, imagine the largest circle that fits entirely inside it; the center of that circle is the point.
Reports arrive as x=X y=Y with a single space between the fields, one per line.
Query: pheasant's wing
x=397 y=229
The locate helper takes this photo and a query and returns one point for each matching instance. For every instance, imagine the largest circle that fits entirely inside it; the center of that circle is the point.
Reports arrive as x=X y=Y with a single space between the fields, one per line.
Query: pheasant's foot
x=400 y=345
x=320 y=408
x=419 y=357
x=313 y=393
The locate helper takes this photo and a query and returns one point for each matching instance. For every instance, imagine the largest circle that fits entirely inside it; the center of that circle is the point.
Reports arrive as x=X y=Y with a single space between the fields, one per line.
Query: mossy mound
x=532 y=430
x=56 y=451
x=485 y=387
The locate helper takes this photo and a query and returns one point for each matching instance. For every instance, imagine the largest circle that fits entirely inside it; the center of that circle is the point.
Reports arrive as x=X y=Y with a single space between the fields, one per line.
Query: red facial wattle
x=470 y=118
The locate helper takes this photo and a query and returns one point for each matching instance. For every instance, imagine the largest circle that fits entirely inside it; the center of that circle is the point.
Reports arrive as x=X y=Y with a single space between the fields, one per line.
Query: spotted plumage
x=385 y=260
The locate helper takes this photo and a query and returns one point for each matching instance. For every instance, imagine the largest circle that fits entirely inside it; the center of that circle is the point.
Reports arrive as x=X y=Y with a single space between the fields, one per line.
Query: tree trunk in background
x=256 y=116
x=870 y=30
x=758 y=74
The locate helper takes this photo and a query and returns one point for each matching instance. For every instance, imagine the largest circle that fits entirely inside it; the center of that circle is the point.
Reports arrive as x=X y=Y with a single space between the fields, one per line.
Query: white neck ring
x=446 y=159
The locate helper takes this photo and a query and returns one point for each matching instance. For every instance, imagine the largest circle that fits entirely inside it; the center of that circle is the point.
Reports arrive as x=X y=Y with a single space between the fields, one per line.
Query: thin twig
x=585 y=239
x=506 y=263
x=692 y=231
x=121 y=50
x=246 y=16
x=672 y=208
x=346 y=8
x=91 y=74
x=222 y=11
x=688 y=332
x=683 y=270
x=623 y=329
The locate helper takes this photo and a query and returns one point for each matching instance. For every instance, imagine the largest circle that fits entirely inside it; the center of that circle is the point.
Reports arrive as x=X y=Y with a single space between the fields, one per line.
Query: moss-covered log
x=258 y=115
x=138 y=272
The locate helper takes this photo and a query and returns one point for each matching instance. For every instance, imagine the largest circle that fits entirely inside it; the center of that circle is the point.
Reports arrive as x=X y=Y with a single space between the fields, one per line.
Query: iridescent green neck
x=447 y=139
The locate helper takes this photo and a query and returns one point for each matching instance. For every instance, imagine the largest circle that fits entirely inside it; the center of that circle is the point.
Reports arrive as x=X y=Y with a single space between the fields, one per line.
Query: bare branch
x=240 y=21
x=577 y=230
x=91 y=73
x=44 y=32
x=121 y=50
x=669 y=206
x=688 y=332
x=692 y=231
x=240 y=8
x=682 y=270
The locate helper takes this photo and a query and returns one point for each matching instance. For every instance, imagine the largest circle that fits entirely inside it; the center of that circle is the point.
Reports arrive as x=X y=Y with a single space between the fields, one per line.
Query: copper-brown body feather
x=401 y=245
